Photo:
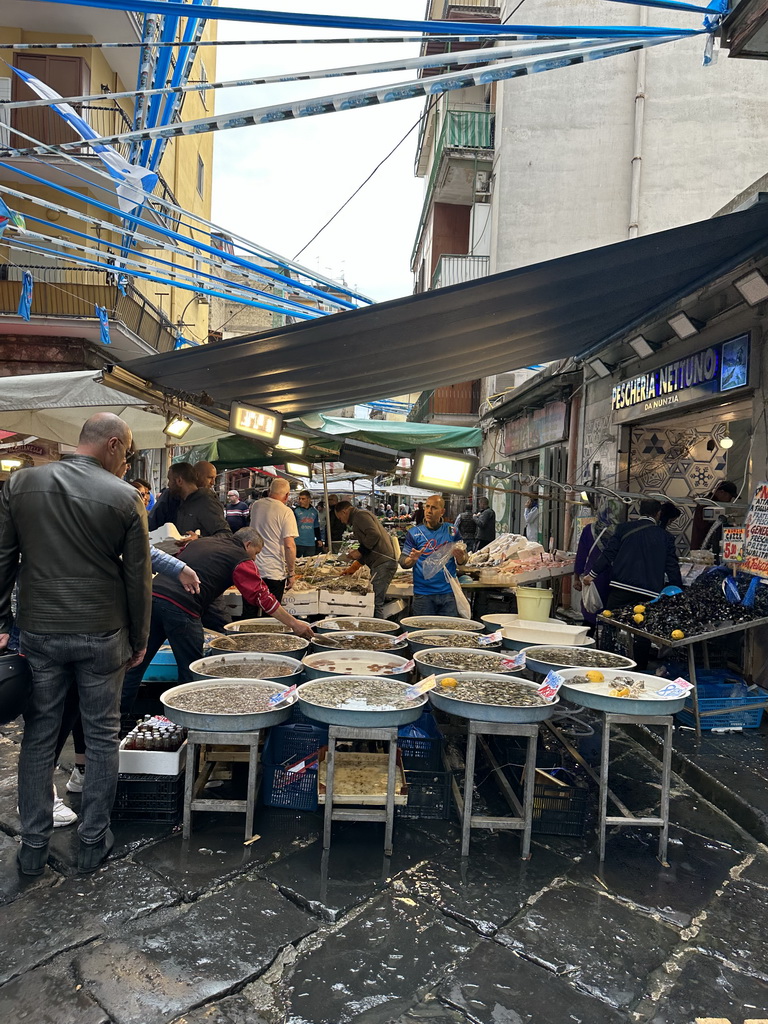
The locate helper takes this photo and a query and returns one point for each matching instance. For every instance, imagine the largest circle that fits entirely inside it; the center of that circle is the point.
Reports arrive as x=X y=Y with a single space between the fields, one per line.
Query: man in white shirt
x=277 y=525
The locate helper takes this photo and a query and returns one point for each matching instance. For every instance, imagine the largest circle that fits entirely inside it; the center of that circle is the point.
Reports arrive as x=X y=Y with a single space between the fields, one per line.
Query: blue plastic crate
x=421 y=744
x=162 y=668
x=735 y=701
x=285 y=744
x=292 y=740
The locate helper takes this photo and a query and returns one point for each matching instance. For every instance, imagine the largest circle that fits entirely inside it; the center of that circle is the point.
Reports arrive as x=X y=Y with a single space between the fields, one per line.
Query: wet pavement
x=209 y=931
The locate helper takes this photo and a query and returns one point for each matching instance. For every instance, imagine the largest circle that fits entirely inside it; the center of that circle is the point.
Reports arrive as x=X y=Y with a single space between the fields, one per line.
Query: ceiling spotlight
x=601 y=369
x=683 y=326
x=753 y=287
x=250 y=421
x=8 y=465
x=443 y=471
x=289 y=443
x=297 y=468
x=177 y=426
x=726 y=441
x=641 y=347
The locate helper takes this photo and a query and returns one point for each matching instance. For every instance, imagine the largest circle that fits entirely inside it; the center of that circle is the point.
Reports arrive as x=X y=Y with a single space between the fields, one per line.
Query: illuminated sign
x=718 y=368
x=261 y=424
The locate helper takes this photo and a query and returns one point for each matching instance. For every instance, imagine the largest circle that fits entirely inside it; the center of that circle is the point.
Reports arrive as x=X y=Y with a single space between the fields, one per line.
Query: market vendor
x=433 y=594
x=376 y=549
x=707 y=523
x=308 y=541
x=220 y=562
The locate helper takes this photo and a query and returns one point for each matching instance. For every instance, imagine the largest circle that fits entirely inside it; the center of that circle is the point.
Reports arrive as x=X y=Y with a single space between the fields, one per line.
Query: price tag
x=550 y=686
x=678 y=688
x=396 y=669
x=298 y=768
x=514 y=661
x=421 y=687
x=489 y=638
x=402 y=636
x=278 y=698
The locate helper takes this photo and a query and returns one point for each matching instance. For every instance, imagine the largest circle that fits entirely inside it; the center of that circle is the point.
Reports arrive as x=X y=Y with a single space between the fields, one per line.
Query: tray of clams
x=428 y=638
x=627 y=693
x=491 y=697
x=461 y=659
x=542 y=658
x=360 y=701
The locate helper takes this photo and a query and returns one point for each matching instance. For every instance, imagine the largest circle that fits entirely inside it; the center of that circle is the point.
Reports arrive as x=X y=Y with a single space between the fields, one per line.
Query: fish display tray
x=363 y=660
x=262 y=625
x=438 y=622
x=200 y=669
x=596 y=696
x=364 y=623
x=358 y=718
x=429 y=795
x=734 y=702
x=425 y=669
x=361 y=779
x=536 y=664
x=224 y=722
x=150 y=798
x=491 y=712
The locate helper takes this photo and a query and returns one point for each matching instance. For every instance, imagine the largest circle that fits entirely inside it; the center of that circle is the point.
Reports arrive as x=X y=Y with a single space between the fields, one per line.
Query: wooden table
x=195 y=784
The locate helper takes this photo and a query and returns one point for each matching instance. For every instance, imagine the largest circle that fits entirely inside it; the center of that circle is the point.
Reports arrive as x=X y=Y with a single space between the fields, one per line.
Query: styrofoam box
x=152 y=762
x=330 y=603
x=300 y=604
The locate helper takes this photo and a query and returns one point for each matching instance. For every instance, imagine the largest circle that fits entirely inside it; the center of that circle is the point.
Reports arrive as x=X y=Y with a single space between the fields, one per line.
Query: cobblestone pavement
x=212 y=931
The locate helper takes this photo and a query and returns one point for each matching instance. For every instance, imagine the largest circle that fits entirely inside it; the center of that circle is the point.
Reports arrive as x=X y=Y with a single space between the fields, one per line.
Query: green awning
x=392 y=434
x=235 y=452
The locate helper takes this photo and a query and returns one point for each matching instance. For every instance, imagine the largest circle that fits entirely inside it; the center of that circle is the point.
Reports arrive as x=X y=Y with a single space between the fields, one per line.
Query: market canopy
x=397 y=434
x=534 y=314
x=55 y=406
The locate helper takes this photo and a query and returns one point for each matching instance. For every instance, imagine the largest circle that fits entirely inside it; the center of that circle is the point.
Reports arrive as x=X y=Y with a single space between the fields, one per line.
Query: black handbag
x=15 y=686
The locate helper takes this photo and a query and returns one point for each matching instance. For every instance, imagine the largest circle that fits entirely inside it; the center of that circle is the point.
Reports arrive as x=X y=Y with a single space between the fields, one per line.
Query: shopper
x=418 y=515
x=432 y=591
x=467 y=527
x=237 y=512
x=485 y=518
x=705 y=518
x=199 y=510
x=337 y=527
x=145 y=491
x=277 y=525
x=531 y=518
x=308 y=525
x=205 y=474
x=375 y=549
x=592 y=542
x=84 y=606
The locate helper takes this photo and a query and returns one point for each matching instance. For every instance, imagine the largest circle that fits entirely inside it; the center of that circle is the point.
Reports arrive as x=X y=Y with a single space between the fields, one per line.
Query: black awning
x=531 y=315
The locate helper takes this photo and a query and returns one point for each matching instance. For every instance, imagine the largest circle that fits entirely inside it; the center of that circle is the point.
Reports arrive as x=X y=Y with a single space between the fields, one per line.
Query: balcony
x=455 y=405
x=458 y=269
x=63 y=305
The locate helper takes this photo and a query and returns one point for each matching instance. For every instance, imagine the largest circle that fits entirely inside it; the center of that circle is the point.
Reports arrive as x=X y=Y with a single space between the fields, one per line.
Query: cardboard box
x=346 y=603
x=152 y=762
x=301 y=604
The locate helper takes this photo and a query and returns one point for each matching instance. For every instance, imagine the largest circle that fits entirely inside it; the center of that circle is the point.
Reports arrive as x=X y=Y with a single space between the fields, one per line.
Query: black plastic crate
x=429 y=795
x=293 y=740
x=158 y=798
x=423 y=752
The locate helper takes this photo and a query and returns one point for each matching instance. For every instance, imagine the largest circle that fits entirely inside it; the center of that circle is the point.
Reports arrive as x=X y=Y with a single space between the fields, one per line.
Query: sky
x=276 y=184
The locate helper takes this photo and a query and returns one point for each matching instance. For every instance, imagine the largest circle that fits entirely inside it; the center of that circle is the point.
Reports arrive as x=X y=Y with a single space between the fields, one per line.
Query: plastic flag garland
x=25 y=302
x=101 y=313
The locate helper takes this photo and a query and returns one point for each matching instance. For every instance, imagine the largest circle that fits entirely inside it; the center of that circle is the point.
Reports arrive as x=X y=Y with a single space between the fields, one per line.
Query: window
x=203 y=94
x=200 y=175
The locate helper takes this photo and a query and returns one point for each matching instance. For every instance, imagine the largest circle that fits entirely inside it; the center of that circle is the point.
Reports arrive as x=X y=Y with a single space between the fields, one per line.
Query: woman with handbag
x=592 y=542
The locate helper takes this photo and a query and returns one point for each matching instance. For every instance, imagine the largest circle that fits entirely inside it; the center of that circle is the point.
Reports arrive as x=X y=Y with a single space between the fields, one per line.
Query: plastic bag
x=432 y=563
x=590 y=598
x=462 y=604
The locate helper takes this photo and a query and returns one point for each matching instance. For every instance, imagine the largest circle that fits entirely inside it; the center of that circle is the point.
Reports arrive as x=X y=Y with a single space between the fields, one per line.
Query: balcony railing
x=458 y=269
x=61 y=292
x=455 y=400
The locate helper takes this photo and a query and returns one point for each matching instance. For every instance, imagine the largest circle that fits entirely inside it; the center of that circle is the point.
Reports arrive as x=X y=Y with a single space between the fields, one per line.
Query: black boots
x=91 y=855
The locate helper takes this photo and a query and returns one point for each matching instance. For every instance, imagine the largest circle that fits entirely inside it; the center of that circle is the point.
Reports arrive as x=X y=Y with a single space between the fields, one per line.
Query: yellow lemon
x=638 y=618
x=677 y=634
x=607 y=613
x=595 y=677
x=639 y=609
x=449 y=682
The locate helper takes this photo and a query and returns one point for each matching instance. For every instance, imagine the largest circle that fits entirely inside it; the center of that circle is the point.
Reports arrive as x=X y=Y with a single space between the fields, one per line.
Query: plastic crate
x=429 y=795
x=285 y=744
x=423 y=752
x=292 y=740
x=157 y=798
x=735 y=700
x=557 y=810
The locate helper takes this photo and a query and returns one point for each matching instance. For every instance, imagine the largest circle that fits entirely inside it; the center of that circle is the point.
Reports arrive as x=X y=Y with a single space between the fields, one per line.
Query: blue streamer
x=101 y=313
x=25 y=301
x=455 y=28
x=160 y=75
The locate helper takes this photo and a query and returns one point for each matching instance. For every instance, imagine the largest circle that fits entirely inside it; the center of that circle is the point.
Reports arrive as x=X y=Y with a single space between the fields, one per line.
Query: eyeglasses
x=130 y=453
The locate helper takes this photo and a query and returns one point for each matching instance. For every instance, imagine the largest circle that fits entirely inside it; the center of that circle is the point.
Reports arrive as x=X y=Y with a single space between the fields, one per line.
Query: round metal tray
x=490 y=712
x=511 y=643
x=446 y=622
x=226 y=723
x=393 y=645
x=355 y=623
x=415 y=643
x=595 y=695
x=424 y=669
x=240 y=643
x=363 y=659
x=537 y=665
x=266 y=625
x=200 y=669
x=358 y=719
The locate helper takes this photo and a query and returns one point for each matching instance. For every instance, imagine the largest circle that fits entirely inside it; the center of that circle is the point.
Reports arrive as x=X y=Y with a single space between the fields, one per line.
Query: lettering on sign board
x=733 y=543
x=756 y=532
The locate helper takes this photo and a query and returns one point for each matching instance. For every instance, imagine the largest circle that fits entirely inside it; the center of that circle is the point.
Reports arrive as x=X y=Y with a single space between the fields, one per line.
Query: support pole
x=328 y=540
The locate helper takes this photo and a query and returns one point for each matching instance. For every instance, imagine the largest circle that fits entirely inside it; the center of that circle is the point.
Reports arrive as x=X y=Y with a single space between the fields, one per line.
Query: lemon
x=638 y=618
x=608 y=614
x=677 y=634
x=449 y=682
x=639 y=609
x=595 y=677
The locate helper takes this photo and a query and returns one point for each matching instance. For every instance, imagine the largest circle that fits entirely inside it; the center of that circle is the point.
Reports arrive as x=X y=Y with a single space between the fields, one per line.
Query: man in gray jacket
x=75 y=535
x=375 y=550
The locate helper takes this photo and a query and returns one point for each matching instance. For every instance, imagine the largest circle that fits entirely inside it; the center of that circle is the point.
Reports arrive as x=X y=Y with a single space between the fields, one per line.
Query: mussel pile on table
x=701 y=608
x=249 y=669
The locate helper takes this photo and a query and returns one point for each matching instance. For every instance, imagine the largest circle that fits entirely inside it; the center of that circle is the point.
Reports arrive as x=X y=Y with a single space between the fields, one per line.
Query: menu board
x=756 y=533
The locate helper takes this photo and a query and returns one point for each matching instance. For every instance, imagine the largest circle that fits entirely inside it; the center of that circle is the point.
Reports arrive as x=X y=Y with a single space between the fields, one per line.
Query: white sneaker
x=75 y=784
x=62 y=815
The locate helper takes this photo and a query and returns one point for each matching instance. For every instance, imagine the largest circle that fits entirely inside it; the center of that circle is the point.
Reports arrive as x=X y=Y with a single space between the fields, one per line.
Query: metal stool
x=523 y=812
x=194 y=786
x=387 y=815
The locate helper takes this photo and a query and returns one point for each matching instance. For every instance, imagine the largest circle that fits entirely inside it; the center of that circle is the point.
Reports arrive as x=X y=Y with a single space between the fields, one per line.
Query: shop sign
x=733 y=543
x=715 y=369
x=536 y=429
x=756 y=532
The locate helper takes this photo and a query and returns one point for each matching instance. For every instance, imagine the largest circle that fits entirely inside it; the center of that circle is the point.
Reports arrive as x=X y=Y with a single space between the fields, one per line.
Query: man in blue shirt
x=432 y=595
x=308 y=522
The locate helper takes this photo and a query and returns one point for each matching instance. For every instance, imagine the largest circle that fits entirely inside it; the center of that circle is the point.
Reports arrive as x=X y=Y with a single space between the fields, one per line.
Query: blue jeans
x=435 y=604
x=183 y=632
x=95 y=662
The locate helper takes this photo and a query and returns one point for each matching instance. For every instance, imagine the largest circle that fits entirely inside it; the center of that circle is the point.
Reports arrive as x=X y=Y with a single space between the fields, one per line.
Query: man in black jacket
x=75 y=534
x=200 y=509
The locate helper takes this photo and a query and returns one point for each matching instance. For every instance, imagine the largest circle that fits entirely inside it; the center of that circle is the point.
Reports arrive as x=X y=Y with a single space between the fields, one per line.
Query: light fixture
x=177 y=425
x=726 y=441
x=250 y=421
x=289 y=443
x=584 y=497
x=362 y=457
x=601 y=369
x=8 y=465
x=753 y=287
x=683 y=326
x=641 y=347
x=297 y=468
x=443 y=471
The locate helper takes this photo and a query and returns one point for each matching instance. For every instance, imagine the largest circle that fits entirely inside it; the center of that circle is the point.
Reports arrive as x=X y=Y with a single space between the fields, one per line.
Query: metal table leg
x=603 y=795
x=390 y=805
x=469 y=783
x=528 y=790
x=695 y=690
x=666 y=780
x=330 y=766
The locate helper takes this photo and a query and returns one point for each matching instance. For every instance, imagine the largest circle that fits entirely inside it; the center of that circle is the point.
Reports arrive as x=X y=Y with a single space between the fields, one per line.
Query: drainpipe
x=637 y=140
x=570 y=477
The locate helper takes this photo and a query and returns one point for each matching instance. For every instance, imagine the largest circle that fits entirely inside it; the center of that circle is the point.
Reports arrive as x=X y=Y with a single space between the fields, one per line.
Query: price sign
x=514 y=661
x=490 y=638
x=733 y=543
x=550 y=686
x=278 y=698
x=429 y=683
x=756 y=532
x=678 y=688
x=401 y=636
x=407 y=667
